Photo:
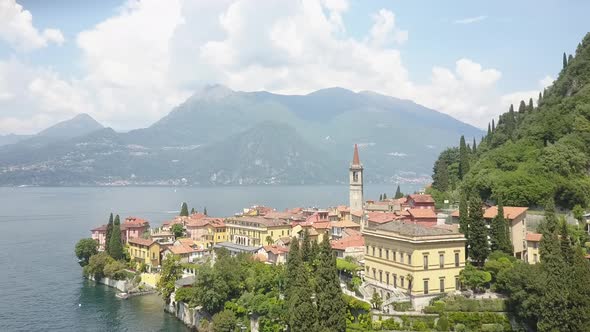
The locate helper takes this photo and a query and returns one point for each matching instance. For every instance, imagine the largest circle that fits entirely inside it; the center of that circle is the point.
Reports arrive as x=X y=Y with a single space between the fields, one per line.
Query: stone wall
x=191 y=317
x=122 y=285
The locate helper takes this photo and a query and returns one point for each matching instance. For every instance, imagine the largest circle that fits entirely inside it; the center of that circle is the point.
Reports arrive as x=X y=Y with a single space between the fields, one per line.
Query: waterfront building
x=132 y=227
x=187 y=250
x=256 y=231
x=144 y=251
x=414 y=259
x=206 y=231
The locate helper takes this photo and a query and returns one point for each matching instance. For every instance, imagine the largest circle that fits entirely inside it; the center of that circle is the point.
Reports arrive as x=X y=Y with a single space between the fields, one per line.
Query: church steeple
x=356 y=182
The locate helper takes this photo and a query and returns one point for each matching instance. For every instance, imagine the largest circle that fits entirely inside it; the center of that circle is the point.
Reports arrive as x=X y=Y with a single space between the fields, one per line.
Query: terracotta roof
x=347 y=242
x=345 y=224
x=382 y=217
x=181 y=249
x=357 y=213
x=400 y=200
x=99 y=228
x=135 y=220
x=141 y=241
x=534 y=237
x=351 y=232
x=422 y=213
x=276 y=249
x=510 y=212
x=421 y=198
x=286 y=240
x=342 y=208
x=355 y=157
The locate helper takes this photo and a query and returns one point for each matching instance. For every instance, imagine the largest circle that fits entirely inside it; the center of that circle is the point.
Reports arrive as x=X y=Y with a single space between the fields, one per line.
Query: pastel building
x=132 y=227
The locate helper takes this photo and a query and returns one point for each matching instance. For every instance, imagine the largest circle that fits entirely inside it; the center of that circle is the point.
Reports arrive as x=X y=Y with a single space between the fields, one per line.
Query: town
x=400 y=250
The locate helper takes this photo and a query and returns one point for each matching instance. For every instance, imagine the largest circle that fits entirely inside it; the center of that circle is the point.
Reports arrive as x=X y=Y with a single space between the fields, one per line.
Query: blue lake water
x=41 y=287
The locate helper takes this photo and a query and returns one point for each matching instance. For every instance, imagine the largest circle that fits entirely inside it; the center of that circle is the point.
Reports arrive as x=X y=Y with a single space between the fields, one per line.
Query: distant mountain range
x=220 y=136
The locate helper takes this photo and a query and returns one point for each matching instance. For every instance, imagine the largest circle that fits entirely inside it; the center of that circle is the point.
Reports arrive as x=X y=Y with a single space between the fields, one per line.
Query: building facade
x=418 y=260
x=255 y=231
x=144 y=251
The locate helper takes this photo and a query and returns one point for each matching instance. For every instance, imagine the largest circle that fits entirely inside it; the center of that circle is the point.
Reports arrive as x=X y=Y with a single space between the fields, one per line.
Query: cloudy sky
x=127 y=63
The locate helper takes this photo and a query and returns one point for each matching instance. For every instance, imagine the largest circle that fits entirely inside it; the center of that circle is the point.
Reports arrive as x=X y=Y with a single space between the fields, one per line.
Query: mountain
x=533 y=153
x=221 y=136
x=80 y=125
x=12 y=138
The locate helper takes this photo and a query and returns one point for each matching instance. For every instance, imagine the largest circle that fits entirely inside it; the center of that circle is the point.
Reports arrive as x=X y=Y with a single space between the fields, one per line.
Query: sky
x=127 y=63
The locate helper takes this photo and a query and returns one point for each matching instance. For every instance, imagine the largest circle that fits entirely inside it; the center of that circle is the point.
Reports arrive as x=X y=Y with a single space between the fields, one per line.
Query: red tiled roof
x=534 y=237
x=357 y=213
x=345 y=224
x=382 y=217
x=510 y=212
x=141 y=241
x=276 y=249
x=351 y=232
x=422 y=213
x=421 y=198
x=347 y=242
x=99 y=228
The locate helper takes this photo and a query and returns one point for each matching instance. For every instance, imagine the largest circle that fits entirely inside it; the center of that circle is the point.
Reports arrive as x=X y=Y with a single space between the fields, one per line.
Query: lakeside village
x=400 y=263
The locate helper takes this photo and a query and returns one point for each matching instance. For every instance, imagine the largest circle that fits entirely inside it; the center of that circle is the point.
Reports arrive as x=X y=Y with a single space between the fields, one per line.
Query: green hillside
x=532 y=152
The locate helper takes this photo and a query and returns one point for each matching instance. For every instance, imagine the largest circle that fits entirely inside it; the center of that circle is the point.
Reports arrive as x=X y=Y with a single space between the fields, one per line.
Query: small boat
x=122 y=295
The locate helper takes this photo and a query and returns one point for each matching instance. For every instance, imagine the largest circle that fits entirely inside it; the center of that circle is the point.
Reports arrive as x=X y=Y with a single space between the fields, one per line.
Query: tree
x=539 y=99
x=398 y=193
x=115 y=244
x=269 y=240
x=205 y=211
x=478 y=235
x=171 y=271
x=441 y=175
x=330 y=303
x=380 y=197
x=306 y=247
x=193 y=211
x=108 y=233
x=474 y=147
x=493 y=126
x=522 y=107
x=578 y=213
x=384 y=196
x=184 y=210
x=376 y=301
x=463 y=158
x=96 y=265
x=580 y=293
x=570 y=58
x=564 y=61
x=553 y=313
x=224 y=321
x=85 y=248
x=464 y=219
x=474 y=278
x=302 y=311
x=499 y=232
x=177 y=230
x=531 y=107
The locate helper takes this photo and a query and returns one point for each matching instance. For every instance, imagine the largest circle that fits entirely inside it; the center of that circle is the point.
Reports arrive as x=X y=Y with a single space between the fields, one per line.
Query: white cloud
x=152 y=54
x=470 y=20
x=16 y=28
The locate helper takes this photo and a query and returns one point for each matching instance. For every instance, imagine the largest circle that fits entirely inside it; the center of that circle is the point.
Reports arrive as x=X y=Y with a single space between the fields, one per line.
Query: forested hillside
x=534 y=151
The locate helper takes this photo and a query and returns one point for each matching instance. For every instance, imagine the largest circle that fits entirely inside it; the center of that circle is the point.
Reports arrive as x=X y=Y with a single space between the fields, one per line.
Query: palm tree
x=269 y=240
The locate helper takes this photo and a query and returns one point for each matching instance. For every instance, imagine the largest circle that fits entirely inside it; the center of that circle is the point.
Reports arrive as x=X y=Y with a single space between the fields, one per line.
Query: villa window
x=374 y=274
x=380 y=252
x=387 y=277
x=402 y=281
x=425 y=262
x=355 y=176
x=457 y=283
x=409 y=259
x=394 y=256
x=401 y=257
x=425 y=286
x=395 y=280
x=387 y=254
x=442 y=285
x=441 y=260
x=380 y=276
x=373 y=251
x=367 y=250
x=456 y=259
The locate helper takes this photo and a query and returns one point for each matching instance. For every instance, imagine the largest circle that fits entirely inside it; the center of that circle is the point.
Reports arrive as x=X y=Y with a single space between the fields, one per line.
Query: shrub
x=443 y=323
x=492 y=328
x=96 y=265
x=186 y=295
x=376 y=325
x=391 y=324
x=402 y=306
x=460 y=328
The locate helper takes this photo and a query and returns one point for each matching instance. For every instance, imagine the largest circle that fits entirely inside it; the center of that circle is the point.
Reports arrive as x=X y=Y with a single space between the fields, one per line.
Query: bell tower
x=356 y=182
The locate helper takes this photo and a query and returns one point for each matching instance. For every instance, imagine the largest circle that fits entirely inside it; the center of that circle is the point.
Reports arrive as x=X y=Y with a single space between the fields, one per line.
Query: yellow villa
x=532 y=248
x=413 y=259
x=146 y=251
x=256 y=231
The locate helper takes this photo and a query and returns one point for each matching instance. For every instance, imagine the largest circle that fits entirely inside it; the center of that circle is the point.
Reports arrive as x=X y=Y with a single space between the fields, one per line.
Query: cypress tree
x=539 y=99
x=570 y=58
x=522 y=107
x=302 y=312
x=398 y=193
x=564 y=60
x=107 y=238
x=306 y=253
x=115 y=245
x=315 y=250
x=474 y=147
x=565 y=243
x=463 y=158
x=193 y=211
x=464 y=219
x=384 y=196
x=531 y=107
x=580 y=293
x=553 y=311
x=205 y=211
x=441 y=175
x=510 y=121
x=330 y=303
x=380 y=197
x=478 y=232
x=493 y=126
x=184 y=210
x=499 y=232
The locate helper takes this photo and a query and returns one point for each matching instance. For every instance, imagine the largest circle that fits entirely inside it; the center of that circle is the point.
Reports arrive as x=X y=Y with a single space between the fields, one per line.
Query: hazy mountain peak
x=212 y=92
x=79 y=125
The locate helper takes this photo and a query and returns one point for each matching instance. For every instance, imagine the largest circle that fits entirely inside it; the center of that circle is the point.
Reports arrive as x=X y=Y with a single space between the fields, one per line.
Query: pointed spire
x=355 y=157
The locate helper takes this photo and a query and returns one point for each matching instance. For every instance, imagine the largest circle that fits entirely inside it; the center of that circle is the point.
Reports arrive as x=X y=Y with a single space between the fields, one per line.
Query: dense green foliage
x=85 y=248
x=398 y=193
x=499 y=233
x=177 y=230
x=535 y=153
x=115 y=243
x=330 y=304
x=171 y=271
x=108 y=233
x=477 y=237
x=184 y=210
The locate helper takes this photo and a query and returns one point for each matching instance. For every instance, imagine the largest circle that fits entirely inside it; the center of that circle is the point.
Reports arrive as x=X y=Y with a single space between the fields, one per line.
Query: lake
x=41 y=287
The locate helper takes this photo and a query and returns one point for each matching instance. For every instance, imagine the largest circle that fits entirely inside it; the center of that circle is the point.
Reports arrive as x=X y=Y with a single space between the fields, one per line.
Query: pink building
x=132 y=227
